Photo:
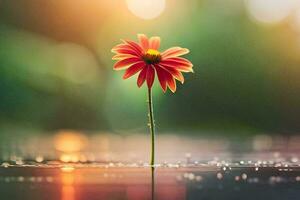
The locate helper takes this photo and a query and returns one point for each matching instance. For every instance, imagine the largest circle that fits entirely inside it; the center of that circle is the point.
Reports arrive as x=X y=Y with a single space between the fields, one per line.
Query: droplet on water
x=21 y=179
x=294 y=159
x=49 y=179
x=244 y=176
x=5 y=165
x=39 y=159
x=219 y=175
x=198 y=178
x=191 y=176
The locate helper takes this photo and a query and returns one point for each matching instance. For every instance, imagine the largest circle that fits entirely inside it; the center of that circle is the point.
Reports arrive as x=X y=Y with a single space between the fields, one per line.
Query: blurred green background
x=56 y=68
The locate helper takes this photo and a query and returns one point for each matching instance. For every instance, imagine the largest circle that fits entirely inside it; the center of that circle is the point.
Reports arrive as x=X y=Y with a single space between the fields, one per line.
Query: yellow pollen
x=152 y=56
x=153 y=52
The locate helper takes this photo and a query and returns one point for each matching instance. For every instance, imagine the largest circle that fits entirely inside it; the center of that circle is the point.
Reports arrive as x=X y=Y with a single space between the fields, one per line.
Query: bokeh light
x=69 y=141
x=70 y=68
x=146 y=9
x=269 y=11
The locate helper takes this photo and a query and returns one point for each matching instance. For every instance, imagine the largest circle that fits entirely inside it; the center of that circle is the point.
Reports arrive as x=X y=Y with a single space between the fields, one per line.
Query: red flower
x=146 y=59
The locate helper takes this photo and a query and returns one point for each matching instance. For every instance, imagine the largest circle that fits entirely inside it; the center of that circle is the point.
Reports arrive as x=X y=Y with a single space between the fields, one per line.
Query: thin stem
x=151 y=126
x=152 y=183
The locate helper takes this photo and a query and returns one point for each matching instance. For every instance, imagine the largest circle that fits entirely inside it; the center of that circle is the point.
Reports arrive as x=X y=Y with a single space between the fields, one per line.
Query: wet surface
x=115 y=181
x=72 y=166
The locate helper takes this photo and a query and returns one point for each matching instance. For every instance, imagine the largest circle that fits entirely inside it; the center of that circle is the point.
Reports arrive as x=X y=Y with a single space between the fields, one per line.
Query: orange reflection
x=68 y=193
x=67 y=180
x=68 y=169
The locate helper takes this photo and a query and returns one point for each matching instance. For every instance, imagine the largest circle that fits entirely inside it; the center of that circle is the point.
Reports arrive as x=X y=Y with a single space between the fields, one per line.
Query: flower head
x=146 y=59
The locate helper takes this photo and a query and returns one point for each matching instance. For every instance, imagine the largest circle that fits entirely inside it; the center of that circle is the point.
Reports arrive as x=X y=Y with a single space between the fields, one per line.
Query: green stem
x=151 y=126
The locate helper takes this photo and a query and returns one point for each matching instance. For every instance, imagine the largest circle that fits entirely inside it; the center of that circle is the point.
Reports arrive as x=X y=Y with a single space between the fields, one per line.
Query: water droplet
x=198 y=178
x=244 y=176
x=21 y=179
x=219 y=175
x=19 y=161
x=49 y=179
x=39 y=159
x=191 y=176
x=5 y=165
x=294 y=159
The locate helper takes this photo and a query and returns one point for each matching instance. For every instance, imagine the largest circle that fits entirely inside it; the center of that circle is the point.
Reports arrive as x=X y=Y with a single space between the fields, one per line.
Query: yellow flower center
x=152 y=56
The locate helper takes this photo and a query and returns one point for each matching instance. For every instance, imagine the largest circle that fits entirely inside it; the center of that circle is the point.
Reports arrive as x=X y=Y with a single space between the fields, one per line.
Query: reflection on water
x=75 y=167
x=100 y=182
x=68 y=192
x=152 y=183
x=67 y=181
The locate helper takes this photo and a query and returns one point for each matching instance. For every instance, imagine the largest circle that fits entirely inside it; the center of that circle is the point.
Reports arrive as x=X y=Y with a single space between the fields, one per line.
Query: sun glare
x=146 y=9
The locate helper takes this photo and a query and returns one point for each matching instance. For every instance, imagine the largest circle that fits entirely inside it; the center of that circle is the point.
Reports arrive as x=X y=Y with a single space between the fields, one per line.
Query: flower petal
x=174 y=72
x=144 y=42
x=133 y=69
x=180 y=68
x=125 y=51
x=118 y=47
x=162 y=77
x=121 y=64
x=171 y=83
x=150 y=76
x=122 y=56
x=142 y=76
x=154 y=43
x=174 y=52
x=178 y=61
x=134 y=45
x=130 y=47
